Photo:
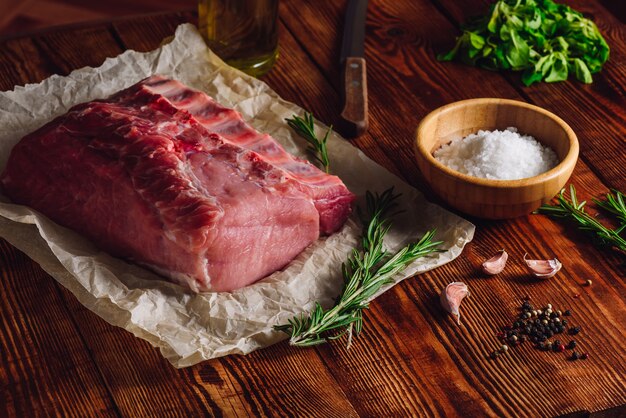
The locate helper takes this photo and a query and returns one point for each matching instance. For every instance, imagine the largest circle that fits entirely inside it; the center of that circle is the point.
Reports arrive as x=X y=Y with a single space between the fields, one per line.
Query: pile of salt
x=499 y=155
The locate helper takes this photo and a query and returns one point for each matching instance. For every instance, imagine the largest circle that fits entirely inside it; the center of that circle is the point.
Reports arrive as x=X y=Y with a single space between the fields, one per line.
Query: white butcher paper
x=189 y=328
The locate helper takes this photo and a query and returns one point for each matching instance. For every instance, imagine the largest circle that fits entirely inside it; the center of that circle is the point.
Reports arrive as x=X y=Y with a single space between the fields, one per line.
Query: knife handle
x=354 y=113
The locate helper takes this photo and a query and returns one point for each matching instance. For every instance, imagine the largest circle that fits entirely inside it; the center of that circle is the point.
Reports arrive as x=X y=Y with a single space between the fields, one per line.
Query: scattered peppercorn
x=577 y=295
x=574 y=356
x=574 y=330
x=538 y=326
x=584 y=356
x=588 y=282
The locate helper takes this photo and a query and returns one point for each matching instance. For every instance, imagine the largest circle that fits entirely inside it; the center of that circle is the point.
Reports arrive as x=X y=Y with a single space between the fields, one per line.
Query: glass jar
x=244 y=33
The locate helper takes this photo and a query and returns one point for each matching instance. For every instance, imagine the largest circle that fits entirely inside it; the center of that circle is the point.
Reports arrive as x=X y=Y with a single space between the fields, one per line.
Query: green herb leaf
x=547 y=41
x=305 y=127
x=558 y=69
x=615 y=204
x=519 y=53
x=574 y=210
x=364 y=273
x=582 y=72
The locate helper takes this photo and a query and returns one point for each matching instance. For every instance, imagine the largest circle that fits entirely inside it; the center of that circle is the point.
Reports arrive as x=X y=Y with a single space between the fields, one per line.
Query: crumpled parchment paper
x=189 y=328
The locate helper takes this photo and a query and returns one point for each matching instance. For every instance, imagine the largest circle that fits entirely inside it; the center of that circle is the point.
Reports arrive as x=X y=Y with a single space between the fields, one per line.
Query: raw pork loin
x=163 y=175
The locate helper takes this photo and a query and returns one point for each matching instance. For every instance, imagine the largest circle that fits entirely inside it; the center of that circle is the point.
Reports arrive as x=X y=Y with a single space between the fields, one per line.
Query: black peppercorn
x=571 y=345
x=567 y=313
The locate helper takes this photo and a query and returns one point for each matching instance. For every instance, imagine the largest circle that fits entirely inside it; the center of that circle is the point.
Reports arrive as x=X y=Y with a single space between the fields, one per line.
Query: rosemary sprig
x=616 y=204
x=573 y=209
x=364 y=273
x=305 y=127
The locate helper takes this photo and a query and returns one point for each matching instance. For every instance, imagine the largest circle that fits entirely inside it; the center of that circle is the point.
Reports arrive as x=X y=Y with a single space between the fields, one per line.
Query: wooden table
x=59 y=359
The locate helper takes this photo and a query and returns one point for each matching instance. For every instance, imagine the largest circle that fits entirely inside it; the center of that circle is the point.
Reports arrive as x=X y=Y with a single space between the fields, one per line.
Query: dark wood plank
x=89 y=46
x=46 y=367
x=20 y=62
x=406 y=80
x=143 y=383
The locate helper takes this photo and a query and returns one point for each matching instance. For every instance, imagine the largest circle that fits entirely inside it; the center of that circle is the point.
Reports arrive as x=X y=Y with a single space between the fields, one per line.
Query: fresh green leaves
x=547 y=41
x=305 y=127
x=365 y=272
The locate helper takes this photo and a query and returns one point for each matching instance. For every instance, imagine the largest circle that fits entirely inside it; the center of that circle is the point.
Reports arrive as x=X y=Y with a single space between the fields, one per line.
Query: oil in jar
x=244 y=33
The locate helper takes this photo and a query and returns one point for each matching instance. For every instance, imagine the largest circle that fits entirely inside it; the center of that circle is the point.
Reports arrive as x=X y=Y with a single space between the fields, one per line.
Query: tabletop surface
x=59 y=359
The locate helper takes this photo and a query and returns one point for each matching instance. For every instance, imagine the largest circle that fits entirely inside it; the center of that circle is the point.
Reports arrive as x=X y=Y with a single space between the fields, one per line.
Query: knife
x=353 y=74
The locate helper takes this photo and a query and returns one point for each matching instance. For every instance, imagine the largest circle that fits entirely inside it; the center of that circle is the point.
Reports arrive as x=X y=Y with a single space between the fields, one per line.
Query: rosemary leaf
x=305 y=127
x=364 y=273
x=615 y=204
x=574 y=210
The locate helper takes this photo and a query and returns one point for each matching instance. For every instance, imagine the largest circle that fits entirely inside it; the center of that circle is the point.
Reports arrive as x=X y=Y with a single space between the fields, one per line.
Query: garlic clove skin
x=495 y=264
x=544 y=269
x=452 y=296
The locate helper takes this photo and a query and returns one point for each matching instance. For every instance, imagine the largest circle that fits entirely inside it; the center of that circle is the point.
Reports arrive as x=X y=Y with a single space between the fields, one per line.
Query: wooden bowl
x=494 y=199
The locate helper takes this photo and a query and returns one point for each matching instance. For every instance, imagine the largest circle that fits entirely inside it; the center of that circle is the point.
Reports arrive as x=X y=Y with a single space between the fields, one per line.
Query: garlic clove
x=496 y=263
x=544 y=269
x=452 y=296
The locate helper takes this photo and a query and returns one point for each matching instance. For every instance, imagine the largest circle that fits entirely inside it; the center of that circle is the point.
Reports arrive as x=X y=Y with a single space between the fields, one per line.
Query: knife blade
x=354 y=115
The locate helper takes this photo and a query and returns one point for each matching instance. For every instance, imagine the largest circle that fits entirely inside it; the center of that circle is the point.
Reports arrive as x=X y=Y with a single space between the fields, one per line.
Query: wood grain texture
x=412 y=359
x=20 y=16
x=45 y=363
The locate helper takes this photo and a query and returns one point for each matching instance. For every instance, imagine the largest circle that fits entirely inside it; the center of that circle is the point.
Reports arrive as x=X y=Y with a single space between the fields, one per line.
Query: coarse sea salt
x=498 y=155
